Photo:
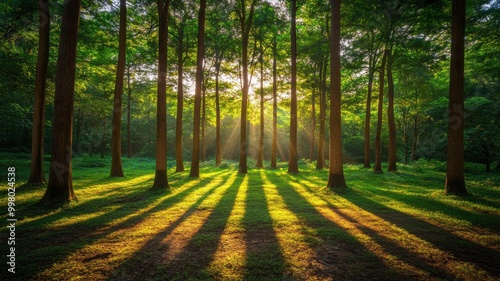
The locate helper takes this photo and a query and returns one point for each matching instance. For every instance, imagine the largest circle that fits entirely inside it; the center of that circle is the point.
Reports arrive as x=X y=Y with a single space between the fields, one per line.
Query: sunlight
x=230 y=256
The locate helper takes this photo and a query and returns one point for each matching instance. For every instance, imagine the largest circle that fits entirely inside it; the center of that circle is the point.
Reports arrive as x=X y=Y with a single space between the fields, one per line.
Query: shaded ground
x=266 y=225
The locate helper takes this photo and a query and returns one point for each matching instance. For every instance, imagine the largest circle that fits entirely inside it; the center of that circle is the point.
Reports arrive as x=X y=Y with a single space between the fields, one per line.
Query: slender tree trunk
x=293 y=166
x=60 y=185
x=179 y=160
x=116 y=142
x=246 y=25
x=378 y=144
x=455 y=179
x=275 y=107
x=203 y=123
x=313 y=125
x=336 y=171
x=161 y=180
x=218 y=149
x=37 y=133
x=371 y=71
x=390 y=115
x=195 y=158
x=320 y=163
x=415 y=140
x=260 y=152
x=129 y=108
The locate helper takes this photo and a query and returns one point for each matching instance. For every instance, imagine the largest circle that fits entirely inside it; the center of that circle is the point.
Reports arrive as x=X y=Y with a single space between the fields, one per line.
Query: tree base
x=161 y=181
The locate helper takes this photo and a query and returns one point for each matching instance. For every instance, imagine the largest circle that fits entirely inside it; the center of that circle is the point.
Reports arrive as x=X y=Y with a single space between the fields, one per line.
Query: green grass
x=266 y=225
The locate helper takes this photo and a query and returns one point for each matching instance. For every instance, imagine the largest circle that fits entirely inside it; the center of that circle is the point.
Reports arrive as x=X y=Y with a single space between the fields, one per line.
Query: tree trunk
x=60 y=186
x=275 y=108
x=37 y=133
x=218 y=150
x=129 y=99
x=371 y=71
x=260 y=152
x=320 y=163
x=313 y=125
x=246 y=25
x=390 y=115
x=161 y=181
x=455 y=179
x=336 y=170
x=195 y=158
x=203 y=123
x=293 y=166
x=378 y=144
x=116 y=142
x=415 y=140
x=179 y=161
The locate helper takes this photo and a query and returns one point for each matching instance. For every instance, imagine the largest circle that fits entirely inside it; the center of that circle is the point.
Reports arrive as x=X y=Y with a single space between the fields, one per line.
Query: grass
x=266 y=225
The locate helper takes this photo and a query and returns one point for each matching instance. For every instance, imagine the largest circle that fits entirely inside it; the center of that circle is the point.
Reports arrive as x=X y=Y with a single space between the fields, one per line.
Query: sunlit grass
x=266 y=225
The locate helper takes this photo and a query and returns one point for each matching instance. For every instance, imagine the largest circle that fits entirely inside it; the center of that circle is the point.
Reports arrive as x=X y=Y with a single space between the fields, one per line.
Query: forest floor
x=266 y=225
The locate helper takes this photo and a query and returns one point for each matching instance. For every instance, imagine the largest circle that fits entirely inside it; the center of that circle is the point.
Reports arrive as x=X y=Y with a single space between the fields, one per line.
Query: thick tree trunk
x=195 y=158
x=60 y=185
x=37 y=133
x=260 y=152
x=179 y=161
x=390 y=115
x=455 y=180
x=116 y=142
x=378 y=143
x=293 y=166
x=320 y=163
x=161 y=181
x=371 y=71
x=218 y=149
x=336 y=170
x=275 y=108
x=129 y=100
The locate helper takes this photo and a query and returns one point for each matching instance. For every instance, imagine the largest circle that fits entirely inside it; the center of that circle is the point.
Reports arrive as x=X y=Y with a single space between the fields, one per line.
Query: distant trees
x=116 y=142
x=37 y=132
x=60 y=185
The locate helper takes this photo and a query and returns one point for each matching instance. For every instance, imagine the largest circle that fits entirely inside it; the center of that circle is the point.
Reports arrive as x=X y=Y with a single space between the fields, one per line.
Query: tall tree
x=455 y=179
x=390 y=115
x=312 y=130
x=275 y=105
x=378 y=136
x=260 y=151
x=293 y=166
x=320 y=162
x=129 y=109
x=245 y=27
x=60 y=186
x=116 y=142
x=195 y=160
x=218 y=149
x=161 y=180
x=37 y=151
x=336 y=171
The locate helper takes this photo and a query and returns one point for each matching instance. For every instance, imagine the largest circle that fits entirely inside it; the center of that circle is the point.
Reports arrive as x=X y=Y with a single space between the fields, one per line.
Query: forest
x=250 y=139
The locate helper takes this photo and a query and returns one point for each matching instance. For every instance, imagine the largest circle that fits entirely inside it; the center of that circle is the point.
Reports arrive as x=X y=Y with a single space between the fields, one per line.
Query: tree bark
x=179 y=161
x=161 y=180
x=260 y=152
x=455 y=179
x=218 y=149
x=390 y=115
x=312 y=130
x=293 y=166
x=320 y=163
x=129 y=100
x=203 y=122
x=195 y=158
x=37 y=144
x=60 y=186
x=371 y=71
x=336 y=170
x=275 y=107
x=116 y=142
x=378 y=144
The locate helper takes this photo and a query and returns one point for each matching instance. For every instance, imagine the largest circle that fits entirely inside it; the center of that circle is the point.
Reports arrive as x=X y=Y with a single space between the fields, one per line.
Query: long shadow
x=76 y=236
x=465 y=250
x=345 y=257
x=265 y=260
x=196 y=256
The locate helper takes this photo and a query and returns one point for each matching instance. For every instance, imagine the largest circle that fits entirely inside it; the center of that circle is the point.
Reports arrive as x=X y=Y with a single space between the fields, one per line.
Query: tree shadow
x=191 y=263
x=71 y=238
